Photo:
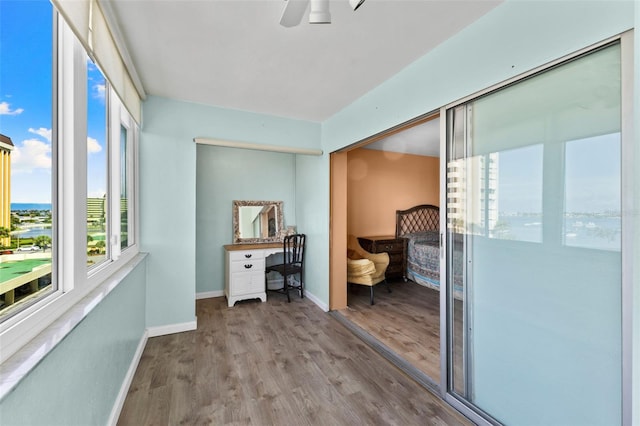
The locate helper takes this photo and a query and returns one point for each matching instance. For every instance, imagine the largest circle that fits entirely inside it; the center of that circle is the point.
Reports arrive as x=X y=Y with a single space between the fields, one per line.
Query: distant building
x=472 y=197
x=96 y=208
x=6 y=146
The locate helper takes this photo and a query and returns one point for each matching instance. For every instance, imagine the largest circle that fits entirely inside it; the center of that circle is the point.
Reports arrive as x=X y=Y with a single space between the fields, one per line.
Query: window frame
x=69 y=194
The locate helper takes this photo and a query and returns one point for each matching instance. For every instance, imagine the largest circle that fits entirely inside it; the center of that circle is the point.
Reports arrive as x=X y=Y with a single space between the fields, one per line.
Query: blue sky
x=26 y=102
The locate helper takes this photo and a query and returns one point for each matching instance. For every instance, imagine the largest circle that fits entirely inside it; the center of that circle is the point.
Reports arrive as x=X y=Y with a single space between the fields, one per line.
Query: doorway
x=370 y=181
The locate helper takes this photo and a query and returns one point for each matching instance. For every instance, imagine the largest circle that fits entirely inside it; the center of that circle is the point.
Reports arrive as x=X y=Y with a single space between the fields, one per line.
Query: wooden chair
x=364 y=268
x=293 y=248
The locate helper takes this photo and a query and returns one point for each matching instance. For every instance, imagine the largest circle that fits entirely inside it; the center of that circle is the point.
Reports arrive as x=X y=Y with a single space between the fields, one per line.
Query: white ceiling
x=234 y=53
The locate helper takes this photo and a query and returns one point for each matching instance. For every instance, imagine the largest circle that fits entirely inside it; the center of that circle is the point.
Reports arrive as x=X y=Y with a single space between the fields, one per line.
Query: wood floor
x=273 y=363
x=407 y=321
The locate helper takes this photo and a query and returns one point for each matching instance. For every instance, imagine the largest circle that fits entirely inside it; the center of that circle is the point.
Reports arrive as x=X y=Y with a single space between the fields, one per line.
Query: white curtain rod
x=259 y=147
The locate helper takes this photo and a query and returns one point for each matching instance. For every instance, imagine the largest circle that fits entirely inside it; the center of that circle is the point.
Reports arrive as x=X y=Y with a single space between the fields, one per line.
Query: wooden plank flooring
x=273 y=363
x=407 y=321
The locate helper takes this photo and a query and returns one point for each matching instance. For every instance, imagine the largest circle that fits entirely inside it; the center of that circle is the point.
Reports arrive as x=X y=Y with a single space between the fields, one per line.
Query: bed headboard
x=420 y=218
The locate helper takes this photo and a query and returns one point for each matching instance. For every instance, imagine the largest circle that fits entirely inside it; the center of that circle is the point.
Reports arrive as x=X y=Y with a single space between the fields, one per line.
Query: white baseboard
x=126 y=383
x=209 y=294
x=316 y=300
x=163 y=330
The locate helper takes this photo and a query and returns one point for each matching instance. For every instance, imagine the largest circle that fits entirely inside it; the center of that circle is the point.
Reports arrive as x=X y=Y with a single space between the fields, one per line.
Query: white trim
x=126 y=383
x=256 y=146
x=209 y=294
x=315 y=299
x=7 y=146
x=163 y=330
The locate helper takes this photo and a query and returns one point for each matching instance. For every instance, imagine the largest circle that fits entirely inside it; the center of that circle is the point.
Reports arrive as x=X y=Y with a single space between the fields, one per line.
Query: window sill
x=28 y=356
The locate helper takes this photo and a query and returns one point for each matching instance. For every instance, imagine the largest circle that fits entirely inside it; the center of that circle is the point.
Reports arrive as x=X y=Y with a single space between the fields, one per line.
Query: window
x=68 y=151
x=97 y=165
x=127 y=160
x=27 y=225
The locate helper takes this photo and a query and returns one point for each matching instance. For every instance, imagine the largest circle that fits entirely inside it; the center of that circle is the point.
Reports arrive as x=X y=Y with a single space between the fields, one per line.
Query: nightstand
x=395 y=247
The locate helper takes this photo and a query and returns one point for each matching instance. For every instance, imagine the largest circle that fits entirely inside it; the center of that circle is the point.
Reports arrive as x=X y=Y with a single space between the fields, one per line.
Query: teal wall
x=312 y=214
x=78 y=381
x=227 y=174
x=513 y=38
x=168 y=180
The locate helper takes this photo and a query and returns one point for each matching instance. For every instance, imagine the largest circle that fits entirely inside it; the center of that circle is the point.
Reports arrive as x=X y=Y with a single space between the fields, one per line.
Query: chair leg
x=286 y=288
x=388 y=286
x=371 y=294
x=301 y=287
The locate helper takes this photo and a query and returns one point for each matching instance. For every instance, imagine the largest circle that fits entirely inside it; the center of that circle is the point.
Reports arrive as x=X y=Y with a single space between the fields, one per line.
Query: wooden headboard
x=420 y=218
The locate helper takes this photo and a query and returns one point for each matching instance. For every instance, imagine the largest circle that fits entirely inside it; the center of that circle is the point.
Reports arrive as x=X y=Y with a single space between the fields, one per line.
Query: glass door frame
x=628 y=249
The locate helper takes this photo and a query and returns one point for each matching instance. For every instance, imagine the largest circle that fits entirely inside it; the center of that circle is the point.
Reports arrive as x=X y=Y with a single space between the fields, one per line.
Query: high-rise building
x=6 y=146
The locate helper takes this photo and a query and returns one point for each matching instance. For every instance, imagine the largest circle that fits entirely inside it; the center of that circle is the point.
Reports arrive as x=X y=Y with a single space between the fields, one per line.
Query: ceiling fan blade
x=293 y=12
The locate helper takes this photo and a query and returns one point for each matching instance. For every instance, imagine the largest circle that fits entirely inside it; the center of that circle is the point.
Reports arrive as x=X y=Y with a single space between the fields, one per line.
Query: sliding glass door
x=533 y=237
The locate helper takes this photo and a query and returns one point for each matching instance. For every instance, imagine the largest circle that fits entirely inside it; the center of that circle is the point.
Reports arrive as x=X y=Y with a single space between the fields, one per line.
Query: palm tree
x=42 y=241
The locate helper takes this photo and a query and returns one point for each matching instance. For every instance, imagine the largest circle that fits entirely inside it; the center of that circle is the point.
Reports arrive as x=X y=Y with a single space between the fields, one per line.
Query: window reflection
x=592 y=193
x=517 y=202
x=502 y=193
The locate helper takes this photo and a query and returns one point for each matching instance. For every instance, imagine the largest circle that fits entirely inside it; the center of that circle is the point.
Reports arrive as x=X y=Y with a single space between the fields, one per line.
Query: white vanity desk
x=245 y=270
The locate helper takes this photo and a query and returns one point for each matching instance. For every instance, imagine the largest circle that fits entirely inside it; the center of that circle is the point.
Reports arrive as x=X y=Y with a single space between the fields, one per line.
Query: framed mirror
x=257 y=221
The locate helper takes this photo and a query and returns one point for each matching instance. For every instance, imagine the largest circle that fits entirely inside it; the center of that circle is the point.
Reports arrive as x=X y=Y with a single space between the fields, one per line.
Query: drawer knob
x=248 y=266
x=248 y=256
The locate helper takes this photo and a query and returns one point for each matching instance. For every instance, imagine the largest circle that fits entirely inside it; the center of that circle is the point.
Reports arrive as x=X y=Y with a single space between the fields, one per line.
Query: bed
x=420 y=225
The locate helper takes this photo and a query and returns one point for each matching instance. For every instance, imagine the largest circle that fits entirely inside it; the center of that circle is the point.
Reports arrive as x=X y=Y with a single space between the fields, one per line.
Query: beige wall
x=379 y=183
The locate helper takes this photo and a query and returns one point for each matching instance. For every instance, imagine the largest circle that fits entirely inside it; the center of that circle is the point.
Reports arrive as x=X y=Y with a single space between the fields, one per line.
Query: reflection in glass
x=514 y=182
x=257 y=221
x=592 y=193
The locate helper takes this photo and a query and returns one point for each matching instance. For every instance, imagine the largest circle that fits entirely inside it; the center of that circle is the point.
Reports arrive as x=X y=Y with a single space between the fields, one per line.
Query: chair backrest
x=294 y=248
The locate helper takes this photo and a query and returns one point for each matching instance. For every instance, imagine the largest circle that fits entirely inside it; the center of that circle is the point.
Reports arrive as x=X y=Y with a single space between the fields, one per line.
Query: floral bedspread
x=423 y=260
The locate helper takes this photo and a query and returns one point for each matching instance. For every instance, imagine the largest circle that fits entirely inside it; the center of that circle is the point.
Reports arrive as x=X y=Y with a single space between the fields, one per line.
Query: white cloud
x=31 y=154
x=96 y=193
x=45 y=133
x=93 y=146
x=99 y=91
x=5 y=109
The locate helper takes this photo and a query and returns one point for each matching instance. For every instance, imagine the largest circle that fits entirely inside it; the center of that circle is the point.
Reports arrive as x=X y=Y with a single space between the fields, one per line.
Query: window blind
x=87 y=20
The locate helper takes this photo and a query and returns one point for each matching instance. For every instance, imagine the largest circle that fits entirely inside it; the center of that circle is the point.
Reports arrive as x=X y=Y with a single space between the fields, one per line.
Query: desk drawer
x=248 y=265
x=246 y=255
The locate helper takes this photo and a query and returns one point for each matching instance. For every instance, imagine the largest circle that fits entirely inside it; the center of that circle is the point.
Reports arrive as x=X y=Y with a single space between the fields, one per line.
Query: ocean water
x=30 y=206
x=596 y=232
x=33 y=232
